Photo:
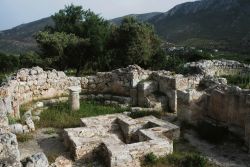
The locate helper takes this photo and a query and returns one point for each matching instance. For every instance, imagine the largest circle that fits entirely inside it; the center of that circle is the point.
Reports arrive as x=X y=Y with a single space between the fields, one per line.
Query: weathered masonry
x=203 y=96
x=120 y=140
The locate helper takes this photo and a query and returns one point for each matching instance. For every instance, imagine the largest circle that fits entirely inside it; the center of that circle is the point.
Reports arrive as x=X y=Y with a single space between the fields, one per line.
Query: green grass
x=60 y=115
x=241 y=81
x=49 y=131
x=184 y=155
x=24 y=137
x=13 y=120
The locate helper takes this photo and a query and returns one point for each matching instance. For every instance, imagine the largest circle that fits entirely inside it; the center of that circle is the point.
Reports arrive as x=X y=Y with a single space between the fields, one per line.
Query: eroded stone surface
x=9 y=153
x=36 y=160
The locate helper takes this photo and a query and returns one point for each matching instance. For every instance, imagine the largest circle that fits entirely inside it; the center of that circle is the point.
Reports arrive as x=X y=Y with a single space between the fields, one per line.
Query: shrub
x=187 y=160
x=241 y=81
x=24 y=137
x=150 y=159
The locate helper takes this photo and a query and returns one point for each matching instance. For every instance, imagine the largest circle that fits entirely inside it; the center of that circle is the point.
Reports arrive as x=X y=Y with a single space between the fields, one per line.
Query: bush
x=241 y=81
x=24 y=137
x=9 y=63
x=150 y=159
x=187 y=160
x=30 y=59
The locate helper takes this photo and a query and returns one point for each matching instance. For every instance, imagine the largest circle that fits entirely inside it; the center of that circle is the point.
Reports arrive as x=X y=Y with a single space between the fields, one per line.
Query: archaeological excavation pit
x=120 y=140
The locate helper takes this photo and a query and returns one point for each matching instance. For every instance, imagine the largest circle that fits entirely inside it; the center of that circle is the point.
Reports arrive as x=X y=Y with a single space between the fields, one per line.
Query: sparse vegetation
x=24 y=137
x=49 y=131
x=140 y=114
x=52 y=156
x=241 y=81
x=181 y=157
x=13 y=120
x=150 y=159
x=60 y=115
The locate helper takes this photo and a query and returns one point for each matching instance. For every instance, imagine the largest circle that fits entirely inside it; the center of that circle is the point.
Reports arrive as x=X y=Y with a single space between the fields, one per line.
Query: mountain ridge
x=213 y=24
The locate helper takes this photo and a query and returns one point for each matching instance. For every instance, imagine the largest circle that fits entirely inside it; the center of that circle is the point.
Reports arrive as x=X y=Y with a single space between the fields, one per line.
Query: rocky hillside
x=20 y=39
x=141 y=17
x=214 y=24
x=207 y=23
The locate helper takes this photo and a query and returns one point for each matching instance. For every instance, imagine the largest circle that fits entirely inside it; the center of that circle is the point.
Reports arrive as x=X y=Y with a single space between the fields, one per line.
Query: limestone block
x=9 y=153
x=5 y=105
x=61 y=161
x=144 y=89
x=29 y=122
x=172 y=99
x=39 y=104
x=27 y=115
x=16 y=128
x=36 y=160
x=133 y=95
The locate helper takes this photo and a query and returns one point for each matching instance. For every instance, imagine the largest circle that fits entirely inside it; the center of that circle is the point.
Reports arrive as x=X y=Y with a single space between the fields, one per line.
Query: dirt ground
x=227 y=154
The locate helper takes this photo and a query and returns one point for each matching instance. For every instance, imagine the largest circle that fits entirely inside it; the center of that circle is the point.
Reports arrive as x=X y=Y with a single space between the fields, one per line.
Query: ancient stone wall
x=219 y=67
x=32 y=84
x=138 y=87
x=35 y=83
x=117 y=82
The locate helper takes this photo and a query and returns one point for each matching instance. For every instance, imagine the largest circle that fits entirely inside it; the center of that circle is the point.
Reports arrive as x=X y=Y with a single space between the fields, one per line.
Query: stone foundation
x=121 y=140
x=199 y=97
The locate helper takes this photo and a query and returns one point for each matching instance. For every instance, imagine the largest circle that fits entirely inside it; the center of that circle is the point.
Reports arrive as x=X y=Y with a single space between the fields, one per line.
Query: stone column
x=74 y=98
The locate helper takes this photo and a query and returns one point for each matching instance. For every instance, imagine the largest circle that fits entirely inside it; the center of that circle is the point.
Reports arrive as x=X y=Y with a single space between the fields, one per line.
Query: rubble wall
x=223 y=105
x=219 y=67
x=33 y=84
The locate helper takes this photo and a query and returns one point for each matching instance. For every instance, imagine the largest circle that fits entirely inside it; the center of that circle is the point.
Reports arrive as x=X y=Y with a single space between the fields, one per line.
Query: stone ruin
x=202 y=96
x=120 y=140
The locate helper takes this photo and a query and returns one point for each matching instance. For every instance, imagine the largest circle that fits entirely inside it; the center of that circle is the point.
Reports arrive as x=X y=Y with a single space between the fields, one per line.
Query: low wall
x=32 y=84
x=219 y=67
x=35 y=83
x=217 y=101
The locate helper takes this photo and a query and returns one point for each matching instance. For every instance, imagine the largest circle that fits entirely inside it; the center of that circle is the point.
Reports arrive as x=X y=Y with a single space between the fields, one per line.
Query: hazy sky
x=15 y=12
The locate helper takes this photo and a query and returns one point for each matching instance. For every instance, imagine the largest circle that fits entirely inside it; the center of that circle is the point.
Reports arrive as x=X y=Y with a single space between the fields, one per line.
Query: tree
x=84 y=24
x=53 y=47
x=31 y=59
x=63 y=50
x=77 y=57
x=9 y=63
x=97 y=30
x=133 y=42
x=68 y=20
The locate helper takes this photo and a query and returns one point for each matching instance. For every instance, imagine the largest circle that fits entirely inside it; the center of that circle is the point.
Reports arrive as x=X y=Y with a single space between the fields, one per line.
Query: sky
x=16 y=12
